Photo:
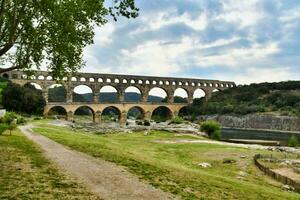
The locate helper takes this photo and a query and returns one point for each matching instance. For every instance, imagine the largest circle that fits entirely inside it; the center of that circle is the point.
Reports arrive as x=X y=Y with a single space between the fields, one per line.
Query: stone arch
x=36 y=85
x=73 y=79
x=5 y=75
x=82 y=79
x=81 y=112
x=108 y=94
x=136 y=112
x=181 y=95
x=132 y=94
x=161 y=114
x=216 y=90
x=82 y=93
x=57 y=112
x=157 y=94
x=111 y=113
x=124 y=81
x=199 y=93
x=183 y=112
x=49 y=78
x=57 y=93
x=41 y=77
x=91 y=80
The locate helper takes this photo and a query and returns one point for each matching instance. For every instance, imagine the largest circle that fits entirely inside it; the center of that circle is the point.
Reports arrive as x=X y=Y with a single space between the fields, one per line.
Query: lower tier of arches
x=119 y=111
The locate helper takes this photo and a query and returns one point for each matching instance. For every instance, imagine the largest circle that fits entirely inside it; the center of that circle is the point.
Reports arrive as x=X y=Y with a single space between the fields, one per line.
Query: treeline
x=282 y=98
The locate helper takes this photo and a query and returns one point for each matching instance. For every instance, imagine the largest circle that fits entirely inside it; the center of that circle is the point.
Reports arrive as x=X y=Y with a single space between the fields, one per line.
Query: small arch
x=82 y=79
x=173 y=83
x=216 y=85
x=132 y=94
x=132 y=81
x=108 y=94
x=92 y=80
x=199 y=84
x=74 y=79
x=136 y=113
x=180 y=95
x=179 y=83
x=111 y=114
x=49 y=78
x=6 y=76
x=167 y=83
x=140 y=82
x=210 y=85
x=84 y=114
x=161 y=114
x=161 y=83
x=100 y=80
x=117 y=80
x=82 y=93
x=193 y=84
x=41 y=77
x=32 y=77
x=124 y=81
x=153 y=82
x=187 y=83
x=57 y=93
x=108 y=80
x=205 y=84
x=147 y=82
x=157 y=94
x=199 y=93
x=57 y=112
x=24 y=76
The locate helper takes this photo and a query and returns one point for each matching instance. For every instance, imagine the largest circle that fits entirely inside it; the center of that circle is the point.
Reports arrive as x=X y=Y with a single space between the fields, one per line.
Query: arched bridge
x=97 y=81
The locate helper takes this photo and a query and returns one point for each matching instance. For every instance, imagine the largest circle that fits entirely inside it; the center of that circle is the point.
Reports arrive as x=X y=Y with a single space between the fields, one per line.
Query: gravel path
x=103 y=178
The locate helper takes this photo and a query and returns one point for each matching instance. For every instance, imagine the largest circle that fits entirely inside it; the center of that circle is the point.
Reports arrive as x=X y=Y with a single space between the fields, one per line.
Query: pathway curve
x=103 y=178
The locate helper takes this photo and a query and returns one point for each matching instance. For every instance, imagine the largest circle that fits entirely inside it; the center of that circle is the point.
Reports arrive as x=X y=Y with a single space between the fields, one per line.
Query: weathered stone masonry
x=120 y=83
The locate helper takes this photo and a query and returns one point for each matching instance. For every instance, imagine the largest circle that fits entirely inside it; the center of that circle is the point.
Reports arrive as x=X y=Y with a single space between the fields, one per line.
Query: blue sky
x=240 y=40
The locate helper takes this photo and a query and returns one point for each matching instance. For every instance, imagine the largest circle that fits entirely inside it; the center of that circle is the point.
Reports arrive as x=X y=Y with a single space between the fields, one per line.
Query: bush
x=293 y=141
x=212 y=129
x=177 y=120
x=9 y=117
x=3 y=127
x=146 y=123
x=21 y=120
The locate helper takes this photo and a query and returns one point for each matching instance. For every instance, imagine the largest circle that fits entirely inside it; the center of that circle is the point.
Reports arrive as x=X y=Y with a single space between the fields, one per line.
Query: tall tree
x=54 y=32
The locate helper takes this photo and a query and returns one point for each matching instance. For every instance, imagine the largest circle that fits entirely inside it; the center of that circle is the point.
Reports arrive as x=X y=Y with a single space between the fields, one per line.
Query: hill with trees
x=281 y=98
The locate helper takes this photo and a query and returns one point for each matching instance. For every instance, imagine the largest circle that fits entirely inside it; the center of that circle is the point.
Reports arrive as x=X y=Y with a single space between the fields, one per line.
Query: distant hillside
x=281 y=98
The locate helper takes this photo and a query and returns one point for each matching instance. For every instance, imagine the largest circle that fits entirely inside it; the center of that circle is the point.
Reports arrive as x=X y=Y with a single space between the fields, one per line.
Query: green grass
x=173 y=167
x=26 y=174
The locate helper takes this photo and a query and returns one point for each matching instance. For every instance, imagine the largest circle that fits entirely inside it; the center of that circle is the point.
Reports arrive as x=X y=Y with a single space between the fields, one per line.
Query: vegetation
x=282 y=98
x=26 y=174
x=34 y=30
x=177 y=120
x=173 y=167
x=23 y=99
x=293 y=141
x=212 y=129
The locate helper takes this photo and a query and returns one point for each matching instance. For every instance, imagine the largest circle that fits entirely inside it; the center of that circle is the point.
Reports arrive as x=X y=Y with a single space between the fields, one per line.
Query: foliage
x=26 y=99
x=9 y=117
x=3 y=85
x=281 y=97
x=3 y=128
x=212 y=129
x=55 y=31
x=293 y=141
x=177 y=120
x=57 y=94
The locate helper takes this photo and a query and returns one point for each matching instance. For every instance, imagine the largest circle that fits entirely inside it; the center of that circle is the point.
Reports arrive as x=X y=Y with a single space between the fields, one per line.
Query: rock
x=288 y=188
x=242 y=156
x=204 y=165
x=229 y=161
x=242 y=174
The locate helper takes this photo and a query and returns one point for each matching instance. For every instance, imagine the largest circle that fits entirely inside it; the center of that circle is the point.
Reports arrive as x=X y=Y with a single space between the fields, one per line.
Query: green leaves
x=54 y=32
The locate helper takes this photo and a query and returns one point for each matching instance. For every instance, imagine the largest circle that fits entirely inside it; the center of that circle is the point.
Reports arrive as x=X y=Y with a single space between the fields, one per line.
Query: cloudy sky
x=244 y=41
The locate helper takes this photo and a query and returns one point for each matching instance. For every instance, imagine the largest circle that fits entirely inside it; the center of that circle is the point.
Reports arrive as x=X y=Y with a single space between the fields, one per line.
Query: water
x=282 y=137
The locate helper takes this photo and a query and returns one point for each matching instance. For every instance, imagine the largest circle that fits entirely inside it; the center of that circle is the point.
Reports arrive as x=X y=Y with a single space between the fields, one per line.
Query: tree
x=53 y=31
x=25 y=99
x=212 y=129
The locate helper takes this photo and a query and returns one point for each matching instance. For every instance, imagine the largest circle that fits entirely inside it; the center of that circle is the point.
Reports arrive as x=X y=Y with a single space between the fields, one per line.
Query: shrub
x=3 y=127
x=146 y=123
x=21 y=120
x=9 y=117
x=212 y=129
x=177 y=120
x=293 y=141
x=37 y=118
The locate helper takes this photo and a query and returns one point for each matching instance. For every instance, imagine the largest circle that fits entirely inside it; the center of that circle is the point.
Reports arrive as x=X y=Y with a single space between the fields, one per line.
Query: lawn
x=173 y=167
x=26 y=174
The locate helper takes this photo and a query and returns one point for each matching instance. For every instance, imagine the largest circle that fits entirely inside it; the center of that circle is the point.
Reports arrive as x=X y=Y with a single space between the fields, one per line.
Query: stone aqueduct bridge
x=120 y=83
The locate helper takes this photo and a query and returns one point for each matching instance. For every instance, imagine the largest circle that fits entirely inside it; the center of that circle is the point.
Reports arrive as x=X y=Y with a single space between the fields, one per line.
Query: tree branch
x=2 y=70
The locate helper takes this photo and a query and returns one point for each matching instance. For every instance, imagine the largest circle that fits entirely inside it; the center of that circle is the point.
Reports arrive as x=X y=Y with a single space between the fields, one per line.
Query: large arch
x=84 y=114
x=136 y=112
x=132 y=94
x=180 y=96
x=57 y=112
x=161 y=114
x=35 y=85
x=108 y=94
x=157 y=94
x=82 y=93
x=57 y=93
x=199 y=93
x=183 y=112
x=111 y=114
x=5 y=75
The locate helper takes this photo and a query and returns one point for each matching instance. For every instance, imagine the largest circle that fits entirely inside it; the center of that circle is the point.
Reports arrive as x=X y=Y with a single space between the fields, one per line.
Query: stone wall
x=258 y=121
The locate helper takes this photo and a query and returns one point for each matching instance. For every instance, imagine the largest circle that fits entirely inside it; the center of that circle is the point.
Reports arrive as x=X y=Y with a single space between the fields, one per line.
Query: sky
x=244 y=41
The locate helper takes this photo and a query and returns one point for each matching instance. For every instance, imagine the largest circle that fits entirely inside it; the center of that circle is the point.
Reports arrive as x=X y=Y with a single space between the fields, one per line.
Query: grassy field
x=173 y=167
x=26 y=174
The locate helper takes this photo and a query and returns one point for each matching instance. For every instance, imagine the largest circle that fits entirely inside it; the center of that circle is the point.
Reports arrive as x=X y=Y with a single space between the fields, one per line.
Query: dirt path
x=103 y=178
